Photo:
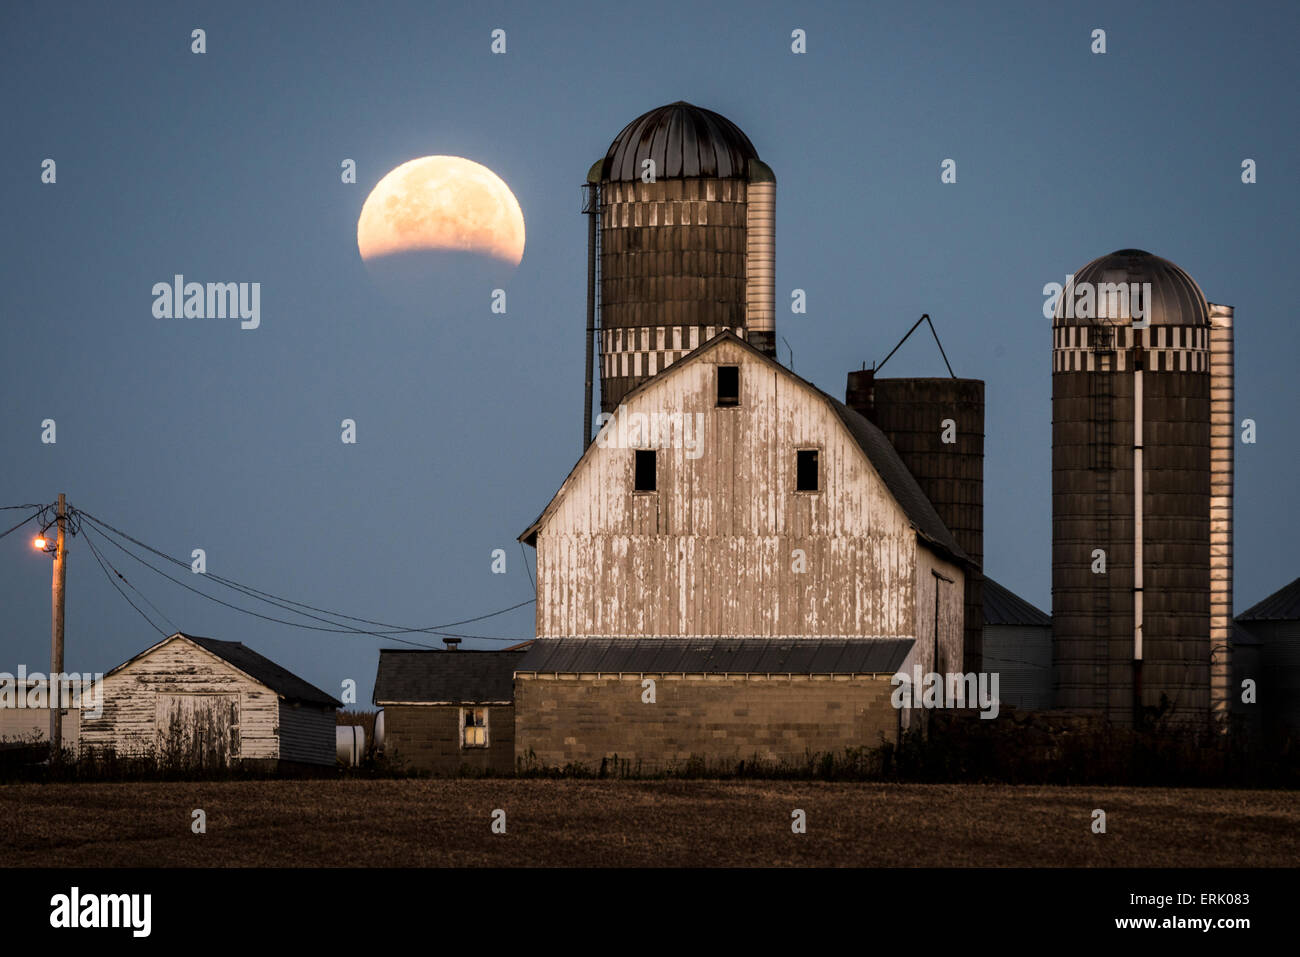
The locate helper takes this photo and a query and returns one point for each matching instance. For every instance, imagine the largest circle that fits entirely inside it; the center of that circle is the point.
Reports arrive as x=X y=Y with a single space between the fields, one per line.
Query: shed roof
x=261 y=669
x=716 y=655
x=1004 y=607
x=445 y=677
x=1282 y=605
x=882 y=455
x=280 y=680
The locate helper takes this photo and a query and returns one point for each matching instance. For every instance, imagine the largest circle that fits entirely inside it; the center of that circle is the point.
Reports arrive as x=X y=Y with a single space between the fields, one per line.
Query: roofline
x=1251 y=614
x=435 y=704
x=235 y=668
x=459 y=651
x=529 y=535
x=726 y=674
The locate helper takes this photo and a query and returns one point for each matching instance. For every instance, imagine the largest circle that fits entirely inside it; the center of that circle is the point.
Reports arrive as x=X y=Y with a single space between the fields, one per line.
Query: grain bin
x=686 y=244
x=1131 y=492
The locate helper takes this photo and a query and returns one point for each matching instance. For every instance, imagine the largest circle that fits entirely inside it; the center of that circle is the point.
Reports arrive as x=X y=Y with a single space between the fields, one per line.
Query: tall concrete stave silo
x=948 y=463
x=686 y=243
x=1132 y=476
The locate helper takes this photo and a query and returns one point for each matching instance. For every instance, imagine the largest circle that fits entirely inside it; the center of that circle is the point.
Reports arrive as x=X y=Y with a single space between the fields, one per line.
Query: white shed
x=203 y=701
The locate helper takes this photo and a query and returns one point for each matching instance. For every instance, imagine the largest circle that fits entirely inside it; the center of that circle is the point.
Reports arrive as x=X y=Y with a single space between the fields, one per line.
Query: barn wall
x=129 y=721
x=723 y=719
x=711 y=552
x=307 y=734
x=951 y=611
x=427 y=737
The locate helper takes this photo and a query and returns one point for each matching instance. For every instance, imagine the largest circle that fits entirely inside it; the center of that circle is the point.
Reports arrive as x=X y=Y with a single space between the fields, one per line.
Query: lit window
x=645 y=470
x=728 y=385
x=473 y=728
x=806 y=472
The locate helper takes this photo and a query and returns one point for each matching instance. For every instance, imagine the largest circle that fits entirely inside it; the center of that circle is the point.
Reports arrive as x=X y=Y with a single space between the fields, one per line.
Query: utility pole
x=56 y=635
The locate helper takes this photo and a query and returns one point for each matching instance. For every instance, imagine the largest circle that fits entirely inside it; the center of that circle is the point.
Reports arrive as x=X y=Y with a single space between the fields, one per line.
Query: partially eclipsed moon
x=442 y=203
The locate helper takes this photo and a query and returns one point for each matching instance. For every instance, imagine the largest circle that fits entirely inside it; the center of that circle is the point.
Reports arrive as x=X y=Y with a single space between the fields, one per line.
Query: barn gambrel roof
x=880 y=453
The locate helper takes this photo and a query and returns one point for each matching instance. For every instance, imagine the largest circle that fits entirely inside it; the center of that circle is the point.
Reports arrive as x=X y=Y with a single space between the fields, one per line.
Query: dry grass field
x=413 y=823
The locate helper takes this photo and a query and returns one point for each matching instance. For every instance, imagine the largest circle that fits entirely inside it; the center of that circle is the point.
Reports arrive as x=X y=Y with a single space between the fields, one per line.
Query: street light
x=40 y=542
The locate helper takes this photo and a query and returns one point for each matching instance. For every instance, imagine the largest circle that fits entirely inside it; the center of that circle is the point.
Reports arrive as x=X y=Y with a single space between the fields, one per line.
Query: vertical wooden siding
x=711 y=552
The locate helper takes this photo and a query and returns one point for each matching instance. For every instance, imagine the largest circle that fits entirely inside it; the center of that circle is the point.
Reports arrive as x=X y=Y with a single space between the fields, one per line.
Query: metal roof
x=1004 y=607
x=1176 y=298
x=684 y=141
x=280 y=680
x=716 y=655
x=451 y=677
x=1282 y=605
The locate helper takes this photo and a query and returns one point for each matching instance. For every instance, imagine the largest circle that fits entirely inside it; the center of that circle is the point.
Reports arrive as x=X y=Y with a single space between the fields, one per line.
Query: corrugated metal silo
x=912 y=413
x=687 y=243
x=1131 y=484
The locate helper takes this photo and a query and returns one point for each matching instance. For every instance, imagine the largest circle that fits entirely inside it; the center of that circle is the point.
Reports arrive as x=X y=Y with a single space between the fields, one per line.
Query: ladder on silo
x=1101 y=346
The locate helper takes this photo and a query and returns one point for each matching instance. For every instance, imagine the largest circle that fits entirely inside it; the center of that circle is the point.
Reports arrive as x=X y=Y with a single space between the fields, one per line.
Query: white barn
x=778 y=512
x=203 y=701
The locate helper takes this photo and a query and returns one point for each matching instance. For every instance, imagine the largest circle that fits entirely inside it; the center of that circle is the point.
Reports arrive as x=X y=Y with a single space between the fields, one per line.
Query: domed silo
x=1131 y=492
x=686 y=243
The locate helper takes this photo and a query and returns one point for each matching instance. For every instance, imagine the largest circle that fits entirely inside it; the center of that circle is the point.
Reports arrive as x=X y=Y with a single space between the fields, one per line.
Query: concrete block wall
x=427 y=738
x=583 y=718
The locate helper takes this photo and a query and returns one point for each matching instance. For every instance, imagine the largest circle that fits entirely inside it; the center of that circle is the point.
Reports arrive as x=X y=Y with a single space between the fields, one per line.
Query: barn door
x=198 y=730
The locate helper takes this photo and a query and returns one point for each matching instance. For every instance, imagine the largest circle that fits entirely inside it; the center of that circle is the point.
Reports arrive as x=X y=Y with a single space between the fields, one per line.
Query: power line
x=143 y=596
x=39 y=509
x=255 y=614
x=531 y=581
x=95 y=552
x=282 y=602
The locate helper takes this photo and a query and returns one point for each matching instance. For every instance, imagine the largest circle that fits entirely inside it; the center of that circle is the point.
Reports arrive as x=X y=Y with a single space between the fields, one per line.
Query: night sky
x=225 y=166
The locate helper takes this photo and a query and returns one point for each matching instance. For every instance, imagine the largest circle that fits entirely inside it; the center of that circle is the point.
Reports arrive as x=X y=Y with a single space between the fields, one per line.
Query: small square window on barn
x=806 y=473
x=645 y=470
x=473 y=727
x=728 y=385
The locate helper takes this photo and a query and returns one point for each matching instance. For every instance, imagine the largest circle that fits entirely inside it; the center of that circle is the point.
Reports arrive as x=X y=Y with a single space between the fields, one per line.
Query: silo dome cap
x=1176 y=299
x=684 y=141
